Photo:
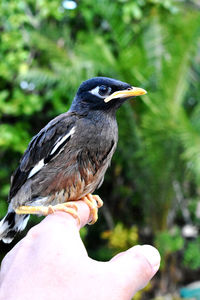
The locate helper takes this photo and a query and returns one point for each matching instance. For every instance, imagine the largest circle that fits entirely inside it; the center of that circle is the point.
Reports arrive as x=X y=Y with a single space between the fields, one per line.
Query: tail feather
x=11 y=224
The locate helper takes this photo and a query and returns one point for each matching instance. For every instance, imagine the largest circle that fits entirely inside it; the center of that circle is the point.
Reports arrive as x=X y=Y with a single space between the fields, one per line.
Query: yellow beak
x=132 y=92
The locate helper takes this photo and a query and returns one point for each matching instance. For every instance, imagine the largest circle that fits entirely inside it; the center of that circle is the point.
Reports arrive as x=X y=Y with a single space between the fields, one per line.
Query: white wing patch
x=58 y=143
x=61 y=140
x=37 y=168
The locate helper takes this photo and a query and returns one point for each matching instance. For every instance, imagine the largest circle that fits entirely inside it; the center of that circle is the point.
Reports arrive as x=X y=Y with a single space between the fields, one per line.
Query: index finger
x=68 y=219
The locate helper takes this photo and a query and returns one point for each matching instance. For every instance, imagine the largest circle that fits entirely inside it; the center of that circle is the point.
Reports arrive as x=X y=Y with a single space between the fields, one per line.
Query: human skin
x=51 y=263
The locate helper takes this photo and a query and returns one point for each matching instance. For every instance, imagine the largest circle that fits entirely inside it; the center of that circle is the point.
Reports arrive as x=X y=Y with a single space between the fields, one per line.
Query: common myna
x=68 y=158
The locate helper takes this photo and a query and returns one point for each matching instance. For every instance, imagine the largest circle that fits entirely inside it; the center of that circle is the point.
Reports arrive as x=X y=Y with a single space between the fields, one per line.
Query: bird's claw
x=98 y=200
x=94 y=202
x=68 y=207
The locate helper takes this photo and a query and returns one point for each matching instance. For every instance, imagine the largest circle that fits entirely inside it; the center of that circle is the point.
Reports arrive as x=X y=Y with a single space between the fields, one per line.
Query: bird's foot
x=68 y=207
x=94 y=202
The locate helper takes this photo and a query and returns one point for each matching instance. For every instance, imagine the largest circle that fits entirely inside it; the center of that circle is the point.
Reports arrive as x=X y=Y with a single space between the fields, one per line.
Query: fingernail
x=152 y=255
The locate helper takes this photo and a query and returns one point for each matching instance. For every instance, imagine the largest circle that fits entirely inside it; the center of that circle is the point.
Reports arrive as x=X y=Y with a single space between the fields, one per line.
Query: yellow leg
x=94 y=202
x=68 y=207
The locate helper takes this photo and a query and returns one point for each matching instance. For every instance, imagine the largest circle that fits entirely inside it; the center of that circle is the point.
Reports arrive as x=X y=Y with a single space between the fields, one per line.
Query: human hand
x=51 y=262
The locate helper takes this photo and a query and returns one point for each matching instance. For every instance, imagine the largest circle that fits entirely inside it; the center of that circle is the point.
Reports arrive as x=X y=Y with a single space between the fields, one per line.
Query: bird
x=67 y=160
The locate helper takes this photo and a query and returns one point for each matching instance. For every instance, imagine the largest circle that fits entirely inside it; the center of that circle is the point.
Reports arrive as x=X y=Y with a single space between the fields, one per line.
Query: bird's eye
x=103 y=90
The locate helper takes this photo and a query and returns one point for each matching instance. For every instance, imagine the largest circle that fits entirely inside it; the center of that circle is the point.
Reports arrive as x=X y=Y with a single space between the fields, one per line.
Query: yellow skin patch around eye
x=134 y=91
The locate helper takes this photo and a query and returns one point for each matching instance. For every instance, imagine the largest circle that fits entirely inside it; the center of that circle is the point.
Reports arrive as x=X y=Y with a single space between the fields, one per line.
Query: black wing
x=41 y=147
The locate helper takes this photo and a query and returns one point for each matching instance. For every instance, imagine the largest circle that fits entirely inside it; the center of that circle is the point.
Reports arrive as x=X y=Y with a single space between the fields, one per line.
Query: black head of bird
x=103 y=93
x=67 y=160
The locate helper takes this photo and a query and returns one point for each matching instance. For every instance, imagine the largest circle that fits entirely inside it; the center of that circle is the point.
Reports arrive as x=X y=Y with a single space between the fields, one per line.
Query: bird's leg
x=94 y=202
x=68 y=207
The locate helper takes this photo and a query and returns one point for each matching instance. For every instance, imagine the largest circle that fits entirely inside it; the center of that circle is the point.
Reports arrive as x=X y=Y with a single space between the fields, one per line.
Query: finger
x=56 y=230
x=8 y=260
x=66 y=218
x=60 y=221
x=135 y=267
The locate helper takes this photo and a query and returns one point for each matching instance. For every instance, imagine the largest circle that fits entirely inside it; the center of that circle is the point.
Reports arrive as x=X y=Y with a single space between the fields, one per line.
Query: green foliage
x=191 y=257
x=121 y=238
x=14 y=137
x=168 y=243
x=45 y=53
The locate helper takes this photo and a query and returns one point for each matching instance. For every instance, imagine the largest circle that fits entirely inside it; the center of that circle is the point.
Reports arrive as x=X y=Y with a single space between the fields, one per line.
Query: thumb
x=135 y=267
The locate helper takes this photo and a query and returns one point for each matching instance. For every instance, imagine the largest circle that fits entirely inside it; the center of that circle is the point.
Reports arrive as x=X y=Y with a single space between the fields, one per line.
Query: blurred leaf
x=121 y=238
x=168 y=242
x=14 y=137
x=191 y=256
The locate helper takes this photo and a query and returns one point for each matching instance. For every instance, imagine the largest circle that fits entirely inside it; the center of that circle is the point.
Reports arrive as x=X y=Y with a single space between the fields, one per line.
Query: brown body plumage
x=76 y=171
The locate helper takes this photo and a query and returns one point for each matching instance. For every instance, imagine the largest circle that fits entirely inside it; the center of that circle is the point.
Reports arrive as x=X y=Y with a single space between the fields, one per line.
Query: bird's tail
x=11 y=224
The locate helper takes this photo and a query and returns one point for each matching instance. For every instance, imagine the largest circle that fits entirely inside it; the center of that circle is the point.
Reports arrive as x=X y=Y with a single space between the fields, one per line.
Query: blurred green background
x=152 y=190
